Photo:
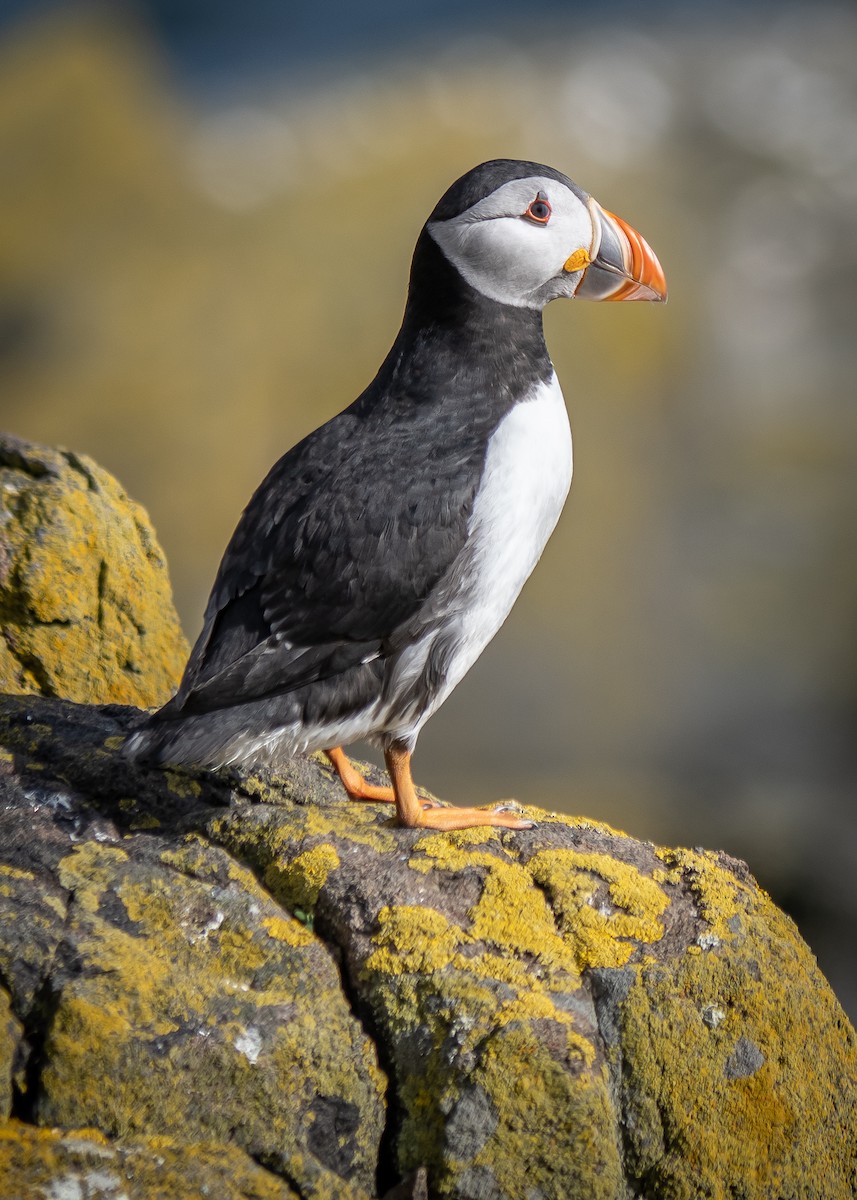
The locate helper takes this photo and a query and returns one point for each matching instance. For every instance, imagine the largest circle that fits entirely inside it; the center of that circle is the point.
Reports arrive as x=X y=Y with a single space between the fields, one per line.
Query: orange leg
x=413 y=812
x=353 y=782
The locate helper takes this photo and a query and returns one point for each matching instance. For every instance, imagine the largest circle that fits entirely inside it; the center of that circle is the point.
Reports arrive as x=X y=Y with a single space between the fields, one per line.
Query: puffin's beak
x=621 y=264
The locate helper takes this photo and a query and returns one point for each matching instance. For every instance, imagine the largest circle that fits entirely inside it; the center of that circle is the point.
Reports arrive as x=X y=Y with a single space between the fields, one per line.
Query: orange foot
x=357 y=787
x=417 y=814
x=467 y=818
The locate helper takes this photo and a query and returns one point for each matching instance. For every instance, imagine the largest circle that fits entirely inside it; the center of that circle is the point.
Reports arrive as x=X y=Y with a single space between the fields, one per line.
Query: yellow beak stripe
x=577 y=261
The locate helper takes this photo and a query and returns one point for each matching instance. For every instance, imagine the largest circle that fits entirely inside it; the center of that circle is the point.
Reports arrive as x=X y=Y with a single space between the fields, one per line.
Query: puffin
x=382 y=553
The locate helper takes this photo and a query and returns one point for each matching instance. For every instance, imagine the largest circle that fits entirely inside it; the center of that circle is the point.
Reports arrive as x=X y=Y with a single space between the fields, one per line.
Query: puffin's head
x=524 y=234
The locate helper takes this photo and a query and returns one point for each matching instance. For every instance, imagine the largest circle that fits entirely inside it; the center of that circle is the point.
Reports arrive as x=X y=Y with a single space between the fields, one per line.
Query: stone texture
x=82 y=1164
x=224 y=960
x=159 y=986
x=86 y=608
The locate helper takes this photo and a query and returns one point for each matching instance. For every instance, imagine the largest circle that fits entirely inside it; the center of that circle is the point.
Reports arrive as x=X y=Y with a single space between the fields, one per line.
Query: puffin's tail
x=188 y=741
x=219 y=738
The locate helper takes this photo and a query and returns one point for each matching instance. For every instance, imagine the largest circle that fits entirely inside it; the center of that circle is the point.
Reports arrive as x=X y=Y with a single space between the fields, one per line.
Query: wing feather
x=340 y=546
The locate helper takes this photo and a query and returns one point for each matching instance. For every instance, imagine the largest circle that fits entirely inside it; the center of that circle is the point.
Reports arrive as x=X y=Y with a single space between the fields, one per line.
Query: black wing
x=340 y=546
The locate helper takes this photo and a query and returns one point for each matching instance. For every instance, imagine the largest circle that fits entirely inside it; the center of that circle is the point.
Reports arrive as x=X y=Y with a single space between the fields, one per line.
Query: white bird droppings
x=249 y=1043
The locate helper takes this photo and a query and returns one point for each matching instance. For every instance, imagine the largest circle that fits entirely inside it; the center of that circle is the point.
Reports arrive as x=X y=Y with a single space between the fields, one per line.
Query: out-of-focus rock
x=86 y=610
x=224 y=959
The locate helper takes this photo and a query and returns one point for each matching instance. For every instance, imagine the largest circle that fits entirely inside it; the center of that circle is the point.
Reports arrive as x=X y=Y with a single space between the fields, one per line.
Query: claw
x=507 y=806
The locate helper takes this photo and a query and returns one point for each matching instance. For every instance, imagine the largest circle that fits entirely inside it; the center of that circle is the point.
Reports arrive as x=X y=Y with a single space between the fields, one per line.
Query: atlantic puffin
x=383 y=552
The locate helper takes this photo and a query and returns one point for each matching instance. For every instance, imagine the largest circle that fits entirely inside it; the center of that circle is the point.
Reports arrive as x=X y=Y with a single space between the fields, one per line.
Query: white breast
x=524 y=484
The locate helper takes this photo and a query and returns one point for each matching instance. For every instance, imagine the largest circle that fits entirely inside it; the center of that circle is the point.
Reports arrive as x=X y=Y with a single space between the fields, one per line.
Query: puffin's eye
x=539 y=210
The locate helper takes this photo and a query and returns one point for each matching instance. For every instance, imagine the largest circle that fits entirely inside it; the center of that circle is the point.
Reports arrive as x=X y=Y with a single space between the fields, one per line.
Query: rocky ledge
x=247 y=986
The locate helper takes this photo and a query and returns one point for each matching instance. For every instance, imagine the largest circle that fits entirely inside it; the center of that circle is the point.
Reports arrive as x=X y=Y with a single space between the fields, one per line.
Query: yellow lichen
x=11 y=1033
x=86 y=597
x=570 y=1110
x=15 y=872
x=192 y=856
x=534 y=1004
x=88 y=870
x=413 y=943
x=55 y=904
x=204 y=969
x=721 y=897
x=412 y=938
x=292 y=932
x=453 y=846
x=441 y=979
x=297 y=883
x=313 y=824
x=760 y=1126
x=511 y=913
x=183 y=785
x=73 y=1162
x=146 y=821
x=355 y=822
x=600 y=934
x=511 y=942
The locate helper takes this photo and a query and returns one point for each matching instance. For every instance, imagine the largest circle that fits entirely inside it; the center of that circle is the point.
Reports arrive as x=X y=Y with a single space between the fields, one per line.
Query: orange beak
x=620 y=265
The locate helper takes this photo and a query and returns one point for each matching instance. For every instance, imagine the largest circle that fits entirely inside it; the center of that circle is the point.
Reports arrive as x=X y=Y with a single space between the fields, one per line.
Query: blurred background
x=207 y=212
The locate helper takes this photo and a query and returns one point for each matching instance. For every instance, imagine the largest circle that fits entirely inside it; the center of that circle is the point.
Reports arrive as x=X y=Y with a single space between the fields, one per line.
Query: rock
x=85 y=603
x=225 y=968
x=83 y=1164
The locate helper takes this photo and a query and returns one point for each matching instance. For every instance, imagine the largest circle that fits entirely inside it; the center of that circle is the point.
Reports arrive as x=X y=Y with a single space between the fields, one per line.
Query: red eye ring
x=539 y=210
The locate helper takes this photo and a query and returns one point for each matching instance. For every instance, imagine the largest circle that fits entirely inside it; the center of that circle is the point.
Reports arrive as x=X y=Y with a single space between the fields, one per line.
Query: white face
x=513 y=257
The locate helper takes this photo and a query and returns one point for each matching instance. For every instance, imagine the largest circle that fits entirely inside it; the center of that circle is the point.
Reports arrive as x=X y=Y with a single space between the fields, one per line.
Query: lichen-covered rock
x=184 y=998
x=82 y=1164
x=86 y=609
x=161 y=989
x=10 y=1040
x=563 y=1013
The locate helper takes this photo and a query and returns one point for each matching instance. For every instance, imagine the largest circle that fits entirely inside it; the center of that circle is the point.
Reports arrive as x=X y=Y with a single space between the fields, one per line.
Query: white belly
x=524 y=484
